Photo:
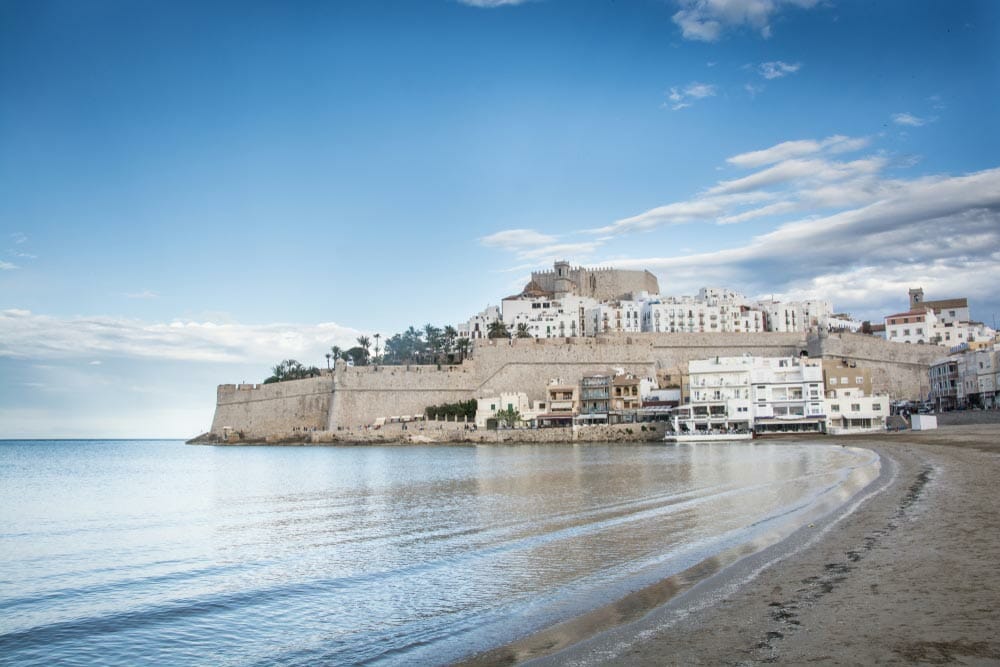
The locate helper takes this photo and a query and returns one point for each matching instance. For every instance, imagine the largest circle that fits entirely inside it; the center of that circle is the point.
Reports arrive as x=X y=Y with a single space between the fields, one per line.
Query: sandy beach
x=907 y=572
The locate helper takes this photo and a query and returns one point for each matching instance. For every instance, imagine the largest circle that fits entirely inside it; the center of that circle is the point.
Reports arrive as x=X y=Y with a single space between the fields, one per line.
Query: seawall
x=353 y=397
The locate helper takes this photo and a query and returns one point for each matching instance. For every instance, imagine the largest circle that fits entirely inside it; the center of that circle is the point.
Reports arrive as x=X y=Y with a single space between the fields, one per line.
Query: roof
x=946 y=303
x=921 y=311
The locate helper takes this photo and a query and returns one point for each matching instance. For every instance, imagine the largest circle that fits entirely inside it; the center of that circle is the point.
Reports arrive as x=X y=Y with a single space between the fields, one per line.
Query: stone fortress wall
x=269 y=409
x=356 y=396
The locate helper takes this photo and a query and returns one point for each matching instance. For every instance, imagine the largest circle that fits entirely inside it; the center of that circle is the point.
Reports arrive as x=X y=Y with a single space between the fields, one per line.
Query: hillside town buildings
x=945 y=322
x=744 y=394
x=968 y=378
x=573 y=301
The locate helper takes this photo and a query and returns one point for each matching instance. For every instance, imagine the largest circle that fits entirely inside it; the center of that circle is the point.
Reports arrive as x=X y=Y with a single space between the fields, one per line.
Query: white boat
x=707 y=436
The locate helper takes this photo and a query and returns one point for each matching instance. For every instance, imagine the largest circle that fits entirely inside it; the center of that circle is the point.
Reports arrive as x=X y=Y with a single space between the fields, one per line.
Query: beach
x=905 y=573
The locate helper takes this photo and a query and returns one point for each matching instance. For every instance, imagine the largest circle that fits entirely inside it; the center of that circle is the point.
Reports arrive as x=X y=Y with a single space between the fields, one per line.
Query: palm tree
x=450 y=334
x=462 y=345
x=522 y=330
x=497 y=329
x=364 y=343
x=376 y=336
x=328 y=357
x=336 y=353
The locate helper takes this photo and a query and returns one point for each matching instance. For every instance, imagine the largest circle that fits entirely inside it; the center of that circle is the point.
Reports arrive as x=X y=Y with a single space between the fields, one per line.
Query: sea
x=125 y=552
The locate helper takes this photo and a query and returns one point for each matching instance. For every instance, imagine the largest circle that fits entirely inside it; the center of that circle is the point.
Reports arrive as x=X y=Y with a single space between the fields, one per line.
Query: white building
x=488 y=407
x=787 y=395
x=478 y=326
x=547 y=317
x=795 y=315
x=850 y=411
x=719 y=395
x=613 y=316
x=913 y=326
x=841 y=322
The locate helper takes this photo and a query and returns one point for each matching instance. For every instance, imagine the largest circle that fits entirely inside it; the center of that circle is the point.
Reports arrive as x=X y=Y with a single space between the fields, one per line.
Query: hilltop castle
x=601 y=284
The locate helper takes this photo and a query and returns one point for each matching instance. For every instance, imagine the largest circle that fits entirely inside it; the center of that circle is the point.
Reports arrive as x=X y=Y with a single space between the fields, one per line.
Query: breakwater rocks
x=448 y=433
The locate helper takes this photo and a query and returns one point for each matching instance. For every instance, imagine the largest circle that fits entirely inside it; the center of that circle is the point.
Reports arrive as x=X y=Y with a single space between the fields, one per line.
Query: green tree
x=462 y=346
x=497 y=329
x=509 y=417
x=364 y=343
x=522 y=330
x=357 y=355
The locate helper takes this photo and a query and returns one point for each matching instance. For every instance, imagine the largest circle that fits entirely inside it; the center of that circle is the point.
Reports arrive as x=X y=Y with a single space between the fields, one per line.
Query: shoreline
x=901 y=572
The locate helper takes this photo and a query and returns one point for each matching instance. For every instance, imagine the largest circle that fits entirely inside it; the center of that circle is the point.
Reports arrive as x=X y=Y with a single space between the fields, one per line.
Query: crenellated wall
x=357 y=396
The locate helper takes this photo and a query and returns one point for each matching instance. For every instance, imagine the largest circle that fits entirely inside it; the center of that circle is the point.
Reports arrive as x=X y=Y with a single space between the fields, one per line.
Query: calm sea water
x=153 y=552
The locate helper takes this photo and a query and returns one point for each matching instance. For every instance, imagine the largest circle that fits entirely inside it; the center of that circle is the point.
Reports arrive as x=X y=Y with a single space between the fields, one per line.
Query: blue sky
x=190 y=192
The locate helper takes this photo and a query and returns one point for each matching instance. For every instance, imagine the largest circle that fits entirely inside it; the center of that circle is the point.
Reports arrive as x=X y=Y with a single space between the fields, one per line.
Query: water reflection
x=371 y=554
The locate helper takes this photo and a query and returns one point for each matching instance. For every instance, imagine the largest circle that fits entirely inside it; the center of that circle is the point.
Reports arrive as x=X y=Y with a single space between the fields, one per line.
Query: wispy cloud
x=777 y=69
x=909 y=120
x=683 y=97
x=792 y=176
x=7 y=266
x=24 y=334
x=516 y=238
x=943 y=231
x=144 y=294
x=18 y=237
x=796 y=149
x=706 y=20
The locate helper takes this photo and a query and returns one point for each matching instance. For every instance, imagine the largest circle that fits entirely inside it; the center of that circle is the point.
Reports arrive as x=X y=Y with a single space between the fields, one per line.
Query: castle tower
x=564 y=284
x=916 y=297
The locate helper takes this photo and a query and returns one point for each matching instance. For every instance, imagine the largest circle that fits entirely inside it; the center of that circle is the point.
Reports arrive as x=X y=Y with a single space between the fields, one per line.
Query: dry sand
x=911 y=575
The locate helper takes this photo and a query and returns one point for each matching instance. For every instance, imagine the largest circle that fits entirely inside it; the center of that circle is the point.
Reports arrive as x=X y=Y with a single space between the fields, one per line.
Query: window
x=876 y=407
x=843 y=380
x=834 y=407
x=855 y=407
x=859 y=380
x=833 y=381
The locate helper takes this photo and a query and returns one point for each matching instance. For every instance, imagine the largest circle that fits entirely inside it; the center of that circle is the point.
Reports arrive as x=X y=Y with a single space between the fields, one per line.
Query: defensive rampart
x=357 y=396
x=270 y=409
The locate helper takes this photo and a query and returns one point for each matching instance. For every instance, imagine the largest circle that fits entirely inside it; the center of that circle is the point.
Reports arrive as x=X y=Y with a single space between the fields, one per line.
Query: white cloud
x=7 y=266
x=705 y=20
x=516 y=238
x=794 y=149
x=561 y=250
x=681 y=98
x=144 y=294
x=753 y=90
x=909 y=120
x=777 y=208
x=817 y=170
x=942 y=233
x=18 y=237
x=777 y=69
x=700 y=208
x=24 y=334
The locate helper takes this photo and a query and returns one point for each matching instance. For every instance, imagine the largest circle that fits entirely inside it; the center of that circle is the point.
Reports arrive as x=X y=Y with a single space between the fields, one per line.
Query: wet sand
x=908 y=572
